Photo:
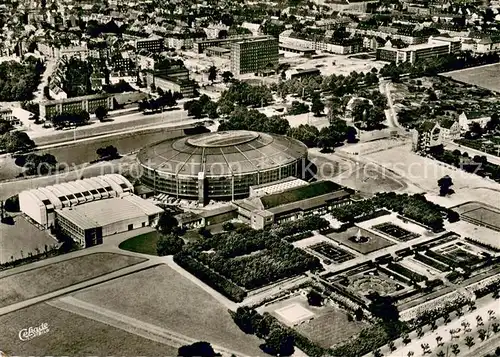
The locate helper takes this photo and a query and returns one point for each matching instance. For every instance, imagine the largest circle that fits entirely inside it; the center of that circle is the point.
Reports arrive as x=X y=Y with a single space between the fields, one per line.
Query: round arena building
x=220 y=165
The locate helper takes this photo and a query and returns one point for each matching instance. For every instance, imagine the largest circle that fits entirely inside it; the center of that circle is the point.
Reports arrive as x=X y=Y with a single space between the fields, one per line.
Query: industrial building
x=40 y=203
x=87 y=224
x=221 y=165
x=253 y=55
x=89 y=209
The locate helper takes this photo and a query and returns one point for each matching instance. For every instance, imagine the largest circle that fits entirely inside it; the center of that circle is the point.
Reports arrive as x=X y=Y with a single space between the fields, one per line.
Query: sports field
x=52 y=277
x=164 y=298
x=325 y=325
x=484 y=76
x=72 y=335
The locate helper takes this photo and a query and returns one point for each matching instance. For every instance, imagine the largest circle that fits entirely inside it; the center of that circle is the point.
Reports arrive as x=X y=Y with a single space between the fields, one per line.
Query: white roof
x=108 y=211
x=64 y=192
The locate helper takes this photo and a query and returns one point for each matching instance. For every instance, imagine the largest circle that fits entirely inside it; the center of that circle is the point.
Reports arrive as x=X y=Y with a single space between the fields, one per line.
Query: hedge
x=214 y=280
x=406 y=272
x=431 y=262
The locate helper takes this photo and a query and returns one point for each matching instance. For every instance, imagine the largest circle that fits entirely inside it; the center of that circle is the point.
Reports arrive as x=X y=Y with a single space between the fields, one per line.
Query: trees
x=194 y=108
x=76 y=118
x=384 y=308
x=108 y=153
x=317 y=106
x=280 y=342
x=227 y=76
x=18 y=81
x=314 y=298
x=37 y=164
x=351 y=135
x=439 y=341
x=482 y=334
x=298 y=108
x=306 y=133
x=166 y=223
x=169 y=244
x=197 y=349
x=445 y=184
x=425 y=348
x=250 y=119
x=101 y=112
x=16 y=141
x=469 y=341
x=212 y=74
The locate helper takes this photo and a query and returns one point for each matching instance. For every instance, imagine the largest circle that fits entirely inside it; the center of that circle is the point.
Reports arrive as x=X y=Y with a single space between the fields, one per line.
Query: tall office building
x=253 y=55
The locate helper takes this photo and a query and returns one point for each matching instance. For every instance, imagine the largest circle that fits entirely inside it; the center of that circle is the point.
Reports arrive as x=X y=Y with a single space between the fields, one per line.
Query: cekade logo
x=30 y=333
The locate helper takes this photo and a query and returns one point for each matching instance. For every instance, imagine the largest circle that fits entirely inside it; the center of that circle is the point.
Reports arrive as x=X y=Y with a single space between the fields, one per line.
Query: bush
x=12 y=204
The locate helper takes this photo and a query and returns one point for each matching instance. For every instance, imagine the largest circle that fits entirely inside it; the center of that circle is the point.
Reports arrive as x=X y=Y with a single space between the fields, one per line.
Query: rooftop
x=105 y=212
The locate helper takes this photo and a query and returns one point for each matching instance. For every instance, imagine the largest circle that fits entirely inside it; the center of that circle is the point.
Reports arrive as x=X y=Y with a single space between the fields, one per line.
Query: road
x=49 y=69
x=472 y=152
x=392 y=118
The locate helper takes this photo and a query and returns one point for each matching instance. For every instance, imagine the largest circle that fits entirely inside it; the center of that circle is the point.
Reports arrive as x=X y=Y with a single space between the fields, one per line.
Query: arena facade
x=220 y=165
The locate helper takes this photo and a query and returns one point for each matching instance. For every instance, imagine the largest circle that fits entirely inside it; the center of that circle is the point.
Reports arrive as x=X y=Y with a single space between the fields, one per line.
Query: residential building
x=201 y=45
x=151 y=44
x=427 y=135
x=466 y=119
x=250 y=56
x=7 y=115
x=89 y=103
x=292 y=42
x=434 y=48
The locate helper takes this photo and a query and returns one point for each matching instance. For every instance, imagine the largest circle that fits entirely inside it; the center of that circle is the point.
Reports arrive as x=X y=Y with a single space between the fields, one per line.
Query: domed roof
x=222 y=153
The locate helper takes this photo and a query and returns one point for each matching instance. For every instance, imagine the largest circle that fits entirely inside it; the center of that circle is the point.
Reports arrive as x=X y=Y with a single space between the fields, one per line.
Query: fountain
x=358 y=238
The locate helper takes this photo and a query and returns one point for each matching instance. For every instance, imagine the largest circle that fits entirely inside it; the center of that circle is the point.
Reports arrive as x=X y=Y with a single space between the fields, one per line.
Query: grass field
x=83 y=152
x=374 y=243
x=484 y=76
x=72 y=335
x=163 y=297
x=52 y=277
x=22 y=236
x=144 y=243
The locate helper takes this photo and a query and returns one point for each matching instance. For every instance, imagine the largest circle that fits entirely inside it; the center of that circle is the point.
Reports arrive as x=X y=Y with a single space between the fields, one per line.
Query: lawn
x=52 y=277
x=298 y=194
x=163 y=297
x=375 y=242
x=72 y=335
x=144 y=243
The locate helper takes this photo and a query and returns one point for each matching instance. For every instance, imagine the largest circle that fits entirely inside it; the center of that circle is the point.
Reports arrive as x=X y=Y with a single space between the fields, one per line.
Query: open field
x=31 y=283
x=327 y=326
x=164 y=298
x=23 y=237
x=85 y=151
x=374 y=242
x=484 y=76
x=72 y=335
x=144 y=243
